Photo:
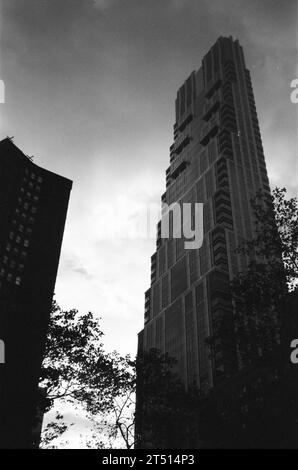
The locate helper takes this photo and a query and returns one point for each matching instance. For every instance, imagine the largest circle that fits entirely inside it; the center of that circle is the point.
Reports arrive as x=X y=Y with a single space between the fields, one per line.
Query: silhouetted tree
x=165 y=408
x=53 y=430
x=77 y=370
x=162 y=402
x=116 y=427
x=264 y=320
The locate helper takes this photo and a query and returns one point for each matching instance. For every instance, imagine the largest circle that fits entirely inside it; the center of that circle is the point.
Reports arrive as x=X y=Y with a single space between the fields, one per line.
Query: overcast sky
x=90 y=89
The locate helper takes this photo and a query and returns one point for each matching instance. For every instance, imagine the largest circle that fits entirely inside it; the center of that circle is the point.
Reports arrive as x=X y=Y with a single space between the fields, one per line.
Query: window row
x=10 y=277
x=33 y=176
x=17 y=239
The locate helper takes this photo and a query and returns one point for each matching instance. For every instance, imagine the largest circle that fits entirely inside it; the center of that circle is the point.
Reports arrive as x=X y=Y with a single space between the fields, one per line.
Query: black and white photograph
x=148 y=228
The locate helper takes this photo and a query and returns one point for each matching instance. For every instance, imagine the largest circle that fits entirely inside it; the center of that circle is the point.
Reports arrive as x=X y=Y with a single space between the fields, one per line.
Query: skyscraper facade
x=216 y=159
x=33 y=208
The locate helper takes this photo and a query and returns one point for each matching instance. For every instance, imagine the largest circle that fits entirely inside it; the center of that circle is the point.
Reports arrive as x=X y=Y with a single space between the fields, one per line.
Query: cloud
x=117 y=269
x=73 y=264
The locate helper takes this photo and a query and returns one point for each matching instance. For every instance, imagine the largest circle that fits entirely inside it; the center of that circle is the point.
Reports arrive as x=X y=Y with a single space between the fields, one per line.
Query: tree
x=165 y=408
x=262 y=294
x=162 y=401
x=77 y=370
x=53 y=430
x=115 y=428
x=264 y=319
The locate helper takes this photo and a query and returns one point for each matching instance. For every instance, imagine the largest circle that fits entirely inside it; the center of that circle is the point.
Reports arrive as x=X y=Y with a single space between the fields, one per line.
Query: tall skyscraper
x=217 y=159
x=33 y=207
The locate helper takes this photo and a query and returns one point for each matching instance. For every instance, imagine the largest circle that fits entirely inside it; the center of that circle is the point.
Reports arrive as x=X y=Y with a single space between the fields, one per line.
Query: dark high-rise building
x=33 y=207
x=216 y=159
